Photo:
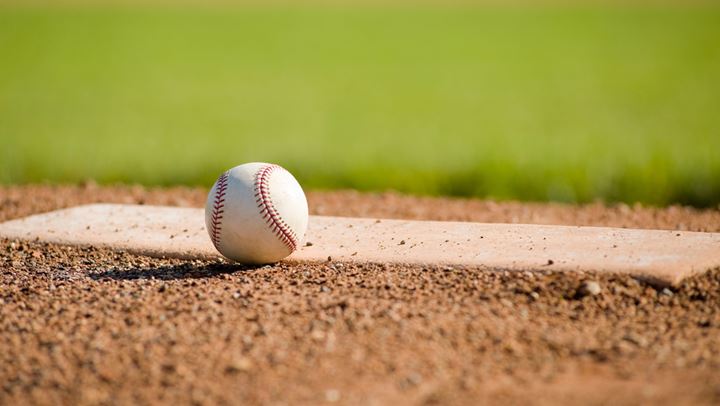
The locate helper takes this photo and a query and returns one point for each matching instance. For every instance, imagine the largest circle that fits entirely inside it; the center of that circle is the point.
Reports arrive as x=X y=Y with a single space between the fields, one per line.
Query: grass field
x=572 y=105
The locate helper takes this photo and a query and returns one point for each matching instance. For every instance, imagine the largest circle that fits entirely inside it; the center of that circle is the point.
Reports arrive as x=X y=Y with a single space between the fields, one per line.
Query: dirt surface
x=89 y=326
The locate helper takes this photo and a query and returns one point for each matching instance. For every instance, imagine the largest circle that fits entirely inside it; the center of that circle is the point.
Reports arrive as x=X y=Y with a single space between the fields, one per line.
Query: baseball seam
x=218 y=209
x=267 y=209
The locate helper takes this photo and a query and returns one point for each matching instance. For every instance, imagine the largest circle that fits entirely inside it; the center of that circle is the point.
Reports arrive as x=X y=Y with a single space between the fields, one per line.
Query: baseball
x=256 y=213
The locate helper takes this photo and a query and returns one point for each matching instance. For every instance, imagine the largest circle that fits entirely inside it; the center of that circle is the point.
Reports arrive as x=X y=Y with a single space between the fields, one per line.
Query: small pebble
x=332 y=395
x=589 y=288
x=239 y=364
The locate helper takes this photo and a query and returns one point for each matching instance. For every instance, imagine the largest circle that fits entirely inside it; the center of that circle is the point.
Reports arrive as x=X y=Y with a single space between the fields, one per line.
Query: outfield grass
x=534 y=104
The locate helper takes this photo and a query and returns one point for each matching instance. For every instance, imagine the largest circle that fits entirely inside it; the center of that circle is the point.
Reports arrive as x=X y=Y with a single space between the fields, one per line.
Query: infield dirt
x=90 y=326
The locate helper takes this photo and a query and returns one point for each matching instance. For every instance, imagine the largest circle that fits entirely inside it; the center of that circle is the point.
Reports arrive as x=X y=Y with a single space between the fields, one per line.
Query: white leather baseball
x=256 y=213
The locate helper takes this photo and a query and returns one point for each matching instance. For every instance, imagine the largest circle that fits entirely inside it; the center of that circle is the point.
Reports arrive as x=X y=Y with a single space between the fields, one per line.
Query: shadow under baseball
x=173 y=272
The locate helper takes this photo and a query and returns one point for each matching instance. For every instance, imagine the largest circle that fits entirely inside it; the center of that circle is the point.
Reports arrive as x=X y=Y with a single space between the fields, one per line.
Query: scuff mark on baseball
x=256 y=213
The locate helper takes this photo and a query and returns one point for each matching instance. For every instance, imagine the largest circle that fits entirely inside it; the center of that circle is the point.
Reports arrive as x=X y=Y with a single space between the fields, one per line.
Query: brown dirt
x=88 y=326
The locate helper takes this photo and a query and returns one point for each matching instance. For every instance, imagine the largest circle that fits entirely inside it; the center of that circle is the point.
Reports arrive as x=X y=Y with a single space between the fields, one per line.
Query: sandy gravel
x=88 y=326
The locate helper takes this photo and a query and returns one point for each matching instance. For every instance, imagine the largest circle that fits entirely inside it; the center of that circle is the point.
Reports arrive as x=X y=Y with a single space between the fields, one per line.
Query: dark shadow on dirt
x=172 y=272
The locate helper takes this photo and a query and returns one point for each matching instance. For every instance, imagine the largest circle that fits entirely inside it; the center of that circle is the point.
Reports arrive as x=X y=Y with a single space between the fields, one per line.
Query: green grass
x=534 y=104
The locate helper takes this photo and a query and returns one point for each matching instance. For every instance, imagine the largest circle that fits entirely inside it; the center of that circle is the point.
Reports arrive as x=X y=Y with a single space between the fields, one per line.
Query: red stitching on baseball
x=218 y=208
x=268 y=211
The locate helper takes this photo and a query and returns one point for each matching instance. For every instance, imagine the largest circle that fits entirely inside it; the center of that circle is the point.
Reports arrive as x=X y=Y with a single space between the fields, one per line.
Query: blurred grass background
x=531 y=103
